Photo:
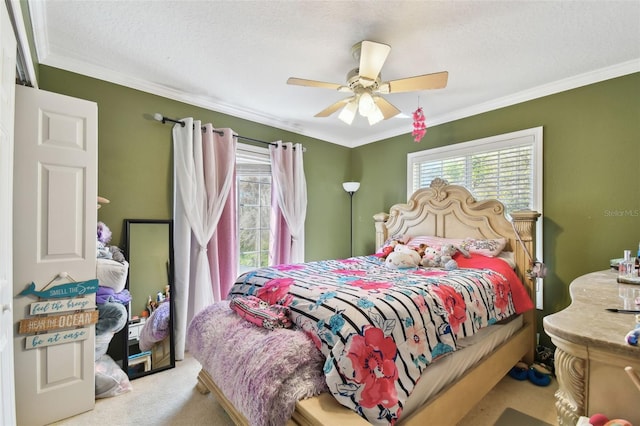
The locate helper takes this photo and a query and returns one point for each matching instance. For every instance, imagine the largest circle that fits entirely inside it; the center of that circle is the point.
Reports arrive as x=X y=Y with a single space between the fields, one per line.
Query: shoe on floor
x=539 y=375
x=520 y=371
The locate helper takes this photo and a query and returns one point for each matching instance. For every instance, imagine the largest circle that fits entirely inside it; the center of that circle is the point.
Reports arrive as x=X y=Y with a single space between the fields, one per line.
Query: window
x=507 y=167
x=253 y=186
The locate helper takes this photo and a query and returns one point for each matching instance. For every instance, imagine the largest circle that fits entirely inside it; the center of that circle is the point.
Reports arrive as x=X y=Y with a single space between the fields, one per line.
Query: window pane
x=265 y=191
x=249 y=260
x=249 y=192
x=249 y=217
x=248 y=240
x=264 y=240
x=265 y=217
x=264 y=258
x=254 y=209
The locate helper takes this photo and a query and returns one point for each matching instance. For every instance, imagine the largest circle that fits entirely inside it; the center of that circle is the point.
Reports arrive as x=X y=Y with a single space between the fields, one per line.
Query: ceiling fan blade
x=372 y=57
x=333 y=108
x=387 y=109
x=312 y=83
x=436 y=80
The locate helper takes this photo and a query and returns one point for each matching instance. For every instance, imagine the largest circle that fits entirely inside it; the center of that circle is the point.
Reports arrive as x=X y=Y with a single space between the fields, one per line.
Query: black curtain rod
x=164 y=120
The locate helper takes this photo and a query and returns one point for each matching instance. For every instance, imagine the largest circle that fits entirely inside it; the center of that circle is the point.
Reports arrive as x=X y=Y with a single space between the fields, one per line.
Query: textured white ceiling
x=235 y=56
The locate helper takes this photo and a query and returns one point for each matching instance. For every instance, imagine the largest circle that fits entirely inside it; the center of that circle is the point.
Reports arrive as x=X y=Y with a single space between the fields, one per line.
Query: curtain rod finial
x=157 y=116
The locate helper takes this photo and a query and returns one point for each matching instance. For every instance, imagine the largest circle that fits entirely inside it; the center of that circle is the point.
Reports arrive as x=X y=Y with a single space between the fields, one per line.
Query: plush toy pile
x=442 y=257
x=111 y=298
x=398 y=255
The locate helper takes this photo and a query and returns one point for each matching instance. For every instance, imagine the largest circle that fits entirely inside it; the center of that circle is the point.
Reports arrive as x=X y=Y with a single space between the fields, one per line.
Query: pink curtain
x=289 y=189
x=204 y=173
x=280 y=241
x=222 y=249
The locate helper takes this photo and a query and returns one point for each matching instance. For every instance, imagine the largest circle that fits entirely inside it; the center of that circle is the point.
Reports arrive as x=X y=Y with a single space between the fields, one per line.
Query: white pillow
x=486 y=247
x=491 y=248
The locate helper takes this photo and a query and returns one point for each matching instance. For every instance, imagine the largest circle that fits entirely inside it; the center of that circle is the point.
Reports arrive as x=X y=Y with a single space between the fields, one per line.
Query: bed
x=405 y=387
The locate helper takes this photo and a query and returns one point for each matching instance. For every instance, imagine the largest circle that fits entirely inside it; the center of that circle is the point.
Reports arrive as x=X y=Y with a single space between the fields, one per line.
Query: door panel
x=55 y=192
x=62 y=231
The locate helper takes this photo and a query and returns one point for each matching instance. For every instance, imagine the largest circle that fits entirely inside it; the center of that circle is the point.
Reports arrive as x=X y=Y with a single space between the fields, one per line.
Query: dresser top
x=587 y=322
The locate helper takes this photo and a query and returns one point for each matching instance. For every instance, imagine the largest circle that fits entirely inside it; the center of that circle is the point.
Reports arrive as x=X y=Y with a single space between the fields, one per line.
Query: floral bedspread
x=379 y=328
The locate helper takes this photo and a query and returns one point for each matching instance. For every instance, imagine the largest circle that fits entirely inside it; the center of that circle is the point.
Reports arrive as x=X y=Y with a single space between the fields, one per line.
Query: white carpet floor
x=170 y=398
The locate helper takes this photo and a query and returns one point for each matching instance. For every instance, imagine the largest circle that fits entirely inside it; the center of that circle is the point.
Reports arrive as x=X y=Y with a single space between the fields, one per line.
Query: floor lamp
x=351 y=188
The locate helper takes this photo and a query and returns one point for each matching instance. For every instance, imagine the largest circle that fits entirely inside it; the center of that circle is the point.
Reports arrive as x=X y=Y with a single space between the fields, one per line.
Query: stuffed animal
x=431 y=257
x=390 y=246
x=421 y=249
x=388 y=249
x=403 y=257
x=442 y=258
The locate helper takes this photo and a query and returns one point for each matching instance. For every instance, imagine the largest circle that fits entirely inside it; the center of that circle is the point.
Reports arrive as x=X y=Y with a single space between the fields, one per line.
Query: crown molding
x=111 y=76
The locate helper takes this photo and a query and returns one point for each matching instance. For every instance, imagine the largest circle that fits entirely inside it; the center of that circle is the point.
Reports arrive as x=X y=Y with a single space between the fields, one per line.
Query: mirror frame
x=171 y=278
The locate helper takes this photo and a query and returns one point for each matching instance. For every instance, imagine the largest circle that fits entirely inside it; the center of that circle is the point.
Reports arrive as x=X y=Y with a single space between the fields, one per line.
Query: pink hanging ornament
x=419 y=128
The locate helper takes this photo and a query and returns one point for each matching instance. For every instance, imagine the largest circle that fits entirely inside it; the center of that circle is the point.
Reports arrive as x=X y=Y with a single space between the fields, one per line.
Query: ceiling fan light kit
x=366 y=86
x=348 y=113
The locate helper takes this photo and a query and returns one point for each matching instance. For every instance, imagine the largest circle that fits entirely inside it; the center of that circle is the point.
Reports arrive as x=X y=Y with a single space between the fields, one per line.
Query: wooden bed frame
x=161 y=353
x=448 y=211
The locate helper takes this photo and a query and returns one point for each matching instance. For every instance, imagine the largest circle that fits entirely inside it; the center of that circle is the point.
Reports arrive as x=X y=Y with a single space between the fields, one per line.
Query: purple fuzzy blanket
x=156 y=328
x=262 y=372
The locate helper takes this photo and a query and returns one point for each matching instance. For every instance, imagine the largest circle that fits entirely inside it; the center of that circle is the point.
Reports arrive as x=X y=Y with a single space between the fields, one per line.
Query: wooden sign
x=65 y=305
x=81 y=288
x=49 y=339
x=54 y=322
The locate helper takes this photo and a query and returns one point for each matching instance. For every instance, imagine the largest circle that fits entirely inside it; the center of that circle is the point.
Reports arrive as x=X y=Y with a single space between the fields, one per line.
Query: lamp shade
x=348 y=113
x=351 y=186
x=375 y=116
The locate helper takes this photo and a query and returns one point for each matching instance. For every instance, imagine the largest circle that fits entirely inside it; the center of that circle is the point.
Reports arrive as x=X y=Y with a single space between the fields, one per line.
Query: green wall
x=135 y=159
x=591 y=169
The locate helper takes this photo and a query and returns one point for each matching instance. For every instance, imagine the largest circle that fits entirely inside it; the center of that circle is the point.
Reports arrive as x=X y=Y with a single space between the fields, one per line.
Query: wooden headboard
x=450 y=211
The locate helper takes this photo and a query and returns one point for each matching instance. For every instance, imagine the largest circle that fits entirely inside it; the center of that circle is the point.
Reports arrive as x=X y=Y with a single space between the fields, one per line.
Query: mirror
x=149 y=332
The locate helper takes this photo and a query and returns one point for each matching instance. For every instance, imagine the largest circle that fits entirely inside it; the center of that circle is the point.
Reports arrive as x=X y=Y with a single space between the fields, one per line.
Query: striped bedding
x=379 y=328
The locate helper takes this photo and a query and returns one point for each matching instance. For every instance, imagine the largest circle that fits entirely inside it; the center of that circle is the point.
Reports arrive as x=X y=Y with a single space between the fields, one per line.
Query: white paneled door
x=7 y=95
x=54 y=242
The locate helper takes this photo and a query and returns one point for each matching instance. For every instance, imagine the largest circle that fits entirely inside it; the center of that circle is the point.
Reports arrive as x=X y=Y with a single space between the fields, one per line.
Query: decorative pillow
x=488 y=247
x=260 y=313
x=432 y=241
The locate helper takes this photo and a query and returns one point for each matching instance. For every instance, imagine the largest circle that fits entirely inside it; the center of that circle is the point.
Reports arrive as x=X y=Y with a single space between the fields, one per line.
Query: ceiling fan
x=366 y=85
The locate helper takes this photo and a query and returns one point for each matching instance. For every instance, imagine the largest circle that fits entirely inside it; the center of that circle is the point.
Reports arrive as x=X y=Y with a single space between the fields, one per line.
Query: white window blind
x=505 y=167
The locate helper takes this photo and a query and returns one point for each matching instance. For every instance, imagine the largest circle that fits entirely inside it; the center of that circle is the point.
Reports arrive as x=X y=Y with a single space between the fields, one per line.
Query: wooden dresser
x=591 y=352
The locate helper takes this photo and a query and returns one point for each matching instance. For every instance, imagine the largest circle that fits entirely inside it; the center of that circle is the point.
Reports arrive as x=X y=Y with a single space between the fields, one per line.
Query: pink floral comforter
x=379 y=328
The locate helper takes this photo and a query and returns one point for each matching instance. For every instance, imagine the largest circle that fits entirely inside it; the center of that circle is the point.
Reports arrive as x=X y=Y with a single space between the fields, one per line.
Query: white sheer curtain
x=204 y=170
x=289 y=188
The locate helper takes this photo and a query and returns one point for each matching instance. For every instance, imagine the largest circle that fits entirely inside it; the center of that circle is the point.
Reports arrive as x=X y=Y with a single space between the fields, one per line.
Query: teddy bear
x=403 y=257
x=442 y=258
x=430 y=257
